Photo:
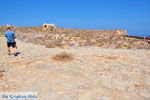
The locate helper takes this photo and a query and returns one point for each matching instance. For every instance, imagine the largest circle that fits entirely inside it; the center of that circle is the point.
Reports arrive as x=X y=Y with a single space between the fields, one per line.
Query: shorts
x=13 y=44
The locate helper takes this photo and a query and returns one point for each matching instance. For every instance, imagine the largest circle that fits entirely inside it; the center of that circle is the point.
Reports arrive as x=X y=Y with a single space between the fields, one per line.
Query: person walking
x=10 y=36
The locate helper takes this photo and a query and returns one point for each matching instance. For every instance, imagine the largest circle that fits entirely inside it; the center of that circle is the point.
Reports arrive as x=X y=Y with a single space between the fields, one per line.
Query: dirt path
x=94 y=74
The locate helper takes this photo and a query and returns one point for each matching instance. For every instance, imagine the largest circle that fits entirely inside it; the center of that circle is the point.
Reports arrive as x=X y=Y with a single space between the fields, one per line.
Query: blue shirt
x=10 y=36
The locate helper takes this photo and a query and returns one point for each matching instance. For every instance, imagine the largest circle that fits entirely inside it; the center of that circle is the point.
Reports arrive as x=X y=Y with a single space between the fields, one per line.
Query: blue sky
x=131 y=15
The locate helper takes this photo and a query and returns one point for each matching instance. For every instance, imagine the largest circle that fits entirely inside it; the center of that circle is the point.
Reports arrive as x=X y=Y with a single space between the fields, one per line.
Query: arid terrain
x=60 y=67
x=62 y=37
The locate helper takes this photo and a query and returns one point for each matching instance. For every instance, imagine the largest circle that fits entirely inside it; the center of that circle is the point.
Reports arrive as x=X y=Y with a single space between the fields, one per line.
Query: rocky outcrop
x=121 y=32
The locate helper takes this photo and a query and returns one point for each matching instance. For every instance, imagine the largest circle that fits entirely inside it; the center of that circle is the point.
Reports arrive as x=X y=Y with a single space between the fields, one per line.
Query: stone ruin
x=51 y=27
x=6 y=26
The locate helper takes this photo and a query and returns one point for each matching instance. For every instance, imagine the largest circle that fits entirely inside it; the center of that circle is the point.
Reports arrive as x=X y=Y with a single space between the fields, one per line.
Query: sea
x=139 y=35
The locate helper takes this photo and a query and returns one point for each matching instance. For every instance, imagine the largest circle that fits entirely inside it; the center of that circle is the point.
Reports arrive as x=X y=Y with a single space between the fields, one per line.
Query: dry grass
x=1 y=74
x=52 y=44
x=109 y=57
x=1 y=35
x=63 y=57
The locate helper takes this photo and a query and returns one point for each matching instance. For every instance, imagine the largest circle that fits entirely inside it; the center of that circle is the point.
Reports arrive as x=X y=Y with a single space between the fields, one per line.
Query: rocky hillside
x=74 y=37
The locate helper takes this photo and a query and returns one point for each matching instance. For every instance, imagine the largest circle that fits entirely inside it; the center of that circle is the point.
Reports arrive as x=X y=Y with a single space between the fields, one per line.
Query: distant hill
x=62 y=37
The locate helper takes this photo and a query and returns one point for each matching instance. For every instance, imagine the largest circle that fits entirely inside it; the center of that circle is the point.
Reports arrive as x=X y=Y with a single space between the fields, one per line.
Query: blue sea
x=140 y=35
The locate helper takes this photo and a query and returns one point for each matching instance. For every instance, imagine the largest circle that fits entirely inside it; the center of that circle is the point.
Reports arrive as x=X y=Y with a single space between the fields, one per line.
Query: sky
x=130 y=15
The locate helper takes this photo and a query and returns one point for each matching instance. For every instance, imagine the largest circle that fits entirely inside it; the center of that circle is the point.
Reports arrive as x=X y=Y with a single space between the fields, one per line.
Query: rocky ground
x=93 y=74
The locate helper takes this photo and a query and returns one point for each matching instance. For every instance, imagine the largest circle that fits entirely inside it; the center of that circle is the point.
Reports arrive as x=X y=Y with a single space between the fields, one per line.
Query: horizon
x=133 y=16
